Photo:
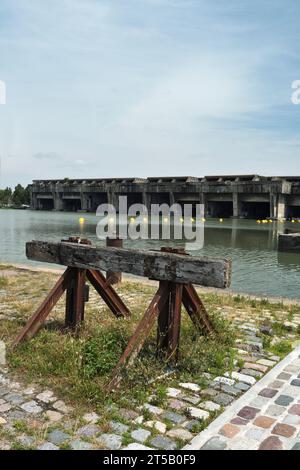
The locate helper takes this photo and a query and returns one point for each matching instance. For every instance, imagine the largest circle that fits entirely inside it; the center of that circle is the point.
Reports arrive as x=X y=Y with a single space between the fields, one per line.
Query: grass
x=82 y=365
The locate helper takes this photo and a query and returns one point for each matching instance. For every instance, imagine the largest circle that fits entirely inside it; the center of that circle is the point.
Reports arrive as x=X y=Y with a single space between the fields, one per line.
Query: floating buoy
x=132 y=219
x=203 y=219
x=258 y=221
x=192 y=219
x=220 y=220
x=293 y=221
x=81 y=220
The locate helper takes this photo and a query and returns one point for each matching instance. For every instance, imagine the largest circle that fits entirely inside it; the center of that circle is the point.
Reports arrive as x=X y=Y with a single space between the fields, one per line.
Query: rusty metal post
x=114 y=277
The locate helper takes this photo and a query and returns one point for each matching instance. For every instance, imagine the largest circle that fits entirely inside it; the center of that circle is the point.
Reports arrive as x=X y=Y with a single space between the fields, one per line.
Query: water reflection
x=257 y=267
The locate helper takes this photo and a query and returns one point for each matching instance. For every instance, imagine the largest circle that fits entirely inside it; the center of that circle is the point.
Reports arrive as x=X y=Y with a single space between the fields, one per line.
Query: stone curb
x=198 y=441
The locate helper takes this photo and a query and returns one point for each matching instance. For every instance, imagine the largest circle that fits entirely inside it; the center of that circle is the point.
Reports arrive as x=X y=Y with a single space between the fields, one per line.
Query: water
x=257 y=267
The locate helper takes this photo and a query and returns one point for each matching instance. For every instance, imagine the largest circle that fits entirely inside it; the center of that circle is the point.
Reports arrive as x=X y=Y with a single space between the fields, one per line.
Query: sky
x=137 y=88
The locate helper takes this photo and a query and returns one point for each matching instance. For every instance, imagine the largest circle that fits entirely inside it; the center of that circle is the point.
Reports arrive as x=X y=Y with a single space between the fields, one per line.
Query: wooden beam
x=140 y=335
x=108 y=294
x=161 y=266
x=36 y=321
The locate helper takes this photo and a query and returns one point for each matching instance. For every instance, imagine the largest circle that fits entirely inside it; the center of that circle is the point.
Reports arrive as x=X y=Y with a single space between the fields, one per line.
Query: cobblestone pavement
x=34 y=418
x=260 y=410
x=266 y=418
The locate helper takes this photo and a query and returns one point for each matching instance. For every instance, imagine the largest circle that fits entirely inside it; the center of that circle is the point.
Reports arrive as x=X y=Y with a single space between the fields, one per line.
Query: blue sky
x=100 y=88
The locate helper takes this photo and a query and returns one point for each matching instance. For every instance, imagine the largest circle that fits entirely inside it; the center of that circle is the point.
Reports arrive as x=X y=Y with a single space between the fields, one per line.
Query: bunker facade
x=239 y=196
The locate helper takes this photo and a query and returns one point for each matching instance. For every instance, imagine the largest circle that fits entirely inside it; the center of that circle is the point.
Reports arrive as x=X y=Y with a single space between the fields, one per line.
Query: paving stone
x=258 y=367
x=118 y=428
x=61 y=406
x=259 y=402
x=89 y=430
x=230 y=390
x=5 y=407
x=284 y=376
x=208 y=392
x=155 y=410
x=140 y=435
x=264 y=422
x=139 y=420
x=190 y=386
x=32 y=407
x=92 y=418
x=292 y=419
x=210 y=406
x=292 y=369
x=224 y=380
x=284 y=430
x=137 y=446
x=229 y=430
x=266 y=362
x=173 y=392
x=214 y=443
x=271 y=443
x=284 y=400
x=252 y=373
x=275 y=410
x=295 y=383
x=47 y=446
x=256 y=433
x=248 y=412
x=190 y=399
x=197 y=413
x=295 y=410
x=47 y=396
x=243 y=378
x=276 y=384
x=26 y=441
x=110 y=441
x=58 y=437
x=290 y=390
x=157 y=425
x=223 y=399
x=181 y=434
x=78 y=444
x=162 y=442
x=239 y=421
x=242 y=386
x=53 y=416
x=173 y=417
x=176 y=404
x=191 y=424
x=14 y=398
x=268 y=392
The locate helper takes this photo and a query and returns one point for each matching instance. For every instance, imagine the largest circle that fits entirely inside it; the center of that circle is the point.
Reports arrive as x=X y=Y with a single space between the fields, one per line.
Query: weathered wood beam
x=155 y=265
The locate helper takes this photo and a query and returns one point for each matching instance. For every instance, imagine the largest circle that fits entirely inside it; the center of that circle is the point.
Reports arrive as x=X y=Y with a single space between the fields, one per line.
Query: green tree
x=20 y=195
x=5 y=196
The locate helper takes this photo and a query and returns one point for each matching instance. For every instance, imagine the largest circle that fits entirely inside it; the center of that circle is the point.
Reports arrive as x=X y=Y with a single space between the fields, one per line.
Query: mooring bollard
x=111 y=276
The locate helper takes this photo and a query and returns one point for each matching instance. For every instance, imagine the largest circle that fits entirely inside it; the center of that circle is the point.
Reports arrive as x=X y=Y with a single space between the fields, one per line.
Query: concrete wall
x=237 y=196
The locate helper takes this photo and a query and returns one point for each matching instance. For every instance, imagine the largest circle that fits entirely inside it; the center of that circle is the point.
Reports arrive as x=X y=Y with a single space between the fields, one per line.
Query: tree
x=21 y=195
x=5 y=196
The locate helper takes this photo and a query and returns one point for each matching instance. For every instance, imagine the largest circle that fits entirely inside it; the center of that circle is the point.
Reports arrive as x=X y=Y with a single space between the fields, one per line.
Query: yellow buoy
x=293 y=221
x=258 y=221
x=132 y=219
x=81 y=220
x=220 y=220
x=203 y=219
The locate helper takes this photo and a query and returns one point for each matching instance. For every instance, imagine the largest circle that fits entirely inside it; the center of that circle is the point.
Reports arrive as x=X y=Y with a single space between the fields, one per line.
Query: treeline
x=17 y=197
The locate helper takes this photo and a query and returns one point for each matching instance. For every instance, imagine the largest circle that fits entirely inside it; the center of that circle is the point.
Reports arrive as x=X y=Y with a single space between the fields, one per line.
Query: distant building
x=248 y=196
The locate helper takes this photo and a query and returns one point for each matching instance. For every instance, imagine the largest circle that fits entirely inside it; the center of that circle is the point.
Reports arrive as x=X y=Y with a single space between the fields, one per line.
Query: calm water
x=257 y=267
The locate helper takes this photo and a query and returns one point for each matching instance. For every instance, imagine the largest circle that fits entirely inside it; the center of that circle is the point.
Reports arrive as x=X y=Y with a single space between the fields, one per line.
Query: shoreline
x=128 y=277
